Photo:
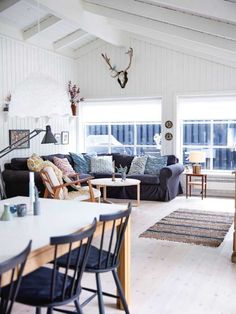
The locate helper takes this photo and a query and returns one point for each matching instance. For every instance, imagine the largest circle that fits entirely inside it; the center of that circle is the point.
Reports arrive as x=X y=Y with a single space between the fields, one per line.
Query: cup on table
x=21 y=210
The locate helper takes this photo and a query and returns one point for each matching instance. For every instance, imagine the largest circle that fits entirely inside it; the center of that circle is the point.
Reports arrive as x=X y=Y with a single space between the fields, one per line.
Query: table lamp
x=197 y=157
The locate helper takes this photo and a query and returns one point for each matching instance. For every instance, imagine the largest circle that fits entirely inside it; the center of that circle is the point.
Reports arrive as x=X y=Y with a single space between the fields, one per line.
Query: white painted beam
x=145 y=26
x=44 y=24
x=69 y=9
x=69 y=39
x=72 y=10
x=84 y=50
x=170 y=16
x=6 y=4
x=217 y=9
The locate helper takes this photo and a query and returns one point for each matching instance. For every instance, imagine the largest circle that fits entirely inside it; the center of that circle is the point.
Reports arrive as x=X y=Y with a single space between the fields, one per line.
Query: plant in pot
x=74 y=94
x=122 y=171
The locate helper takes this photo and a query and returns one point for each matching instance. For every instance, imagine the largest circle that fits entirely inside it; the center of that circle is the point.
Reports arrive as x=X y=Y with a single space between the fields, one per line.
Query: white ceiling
x=205 y=27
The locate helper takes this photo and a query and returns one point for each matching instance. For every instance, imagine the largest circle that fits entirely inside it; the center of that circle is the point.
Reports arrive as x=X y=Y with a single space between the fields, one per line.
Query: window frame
x=109 y=124
x=211 y=146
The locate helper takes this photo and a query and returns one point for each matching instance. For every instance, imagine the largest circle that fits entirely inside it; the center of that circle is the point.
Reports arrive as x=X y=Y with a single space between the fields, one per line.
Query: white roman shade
x=207 y=108
x=147 y=110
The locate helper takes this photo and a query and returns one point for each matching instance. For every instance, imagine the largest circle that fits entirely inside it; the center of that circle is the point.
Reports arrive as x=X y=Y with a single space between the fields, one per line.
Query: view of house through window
x=209 y=124
x=130 y=126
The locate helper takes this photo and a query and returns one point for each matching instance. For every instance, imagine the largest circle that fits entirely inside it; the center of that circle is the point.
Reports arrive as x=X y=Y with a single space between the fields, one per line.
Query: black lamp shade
x=48 y=137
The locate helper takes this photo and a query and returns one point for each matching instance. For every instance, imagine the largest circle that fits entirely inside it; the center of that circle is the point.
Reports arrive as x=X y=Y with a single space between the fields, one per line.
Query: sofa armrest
x=170 y=180
x=7 y=166
x=17 y=182
x=171 y=171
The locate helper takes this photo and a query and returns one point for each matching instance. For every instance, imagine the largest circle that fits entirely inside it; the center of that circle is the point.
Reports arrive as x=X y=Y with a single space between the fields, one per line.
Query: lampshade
x=197 y=157
x=39 y=96
x=48 y=137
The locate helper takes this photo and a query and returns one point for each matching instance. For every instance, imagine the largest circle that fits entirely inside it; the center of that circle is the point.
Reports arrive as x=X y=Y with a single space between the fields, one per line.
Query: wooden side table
x=190 y=181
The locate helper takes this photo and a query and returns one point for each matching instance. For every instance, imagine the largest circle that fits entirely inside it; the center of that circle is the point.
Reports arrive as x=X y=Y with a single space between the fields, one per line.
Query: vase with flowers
x=74 y=94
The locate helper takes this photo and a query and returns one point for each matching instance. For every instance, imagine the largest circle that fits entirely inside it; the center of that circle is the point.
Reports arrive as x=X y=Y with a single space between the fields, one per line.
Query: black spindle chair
x=105 y=257
x=49 y=288
x=13 y=268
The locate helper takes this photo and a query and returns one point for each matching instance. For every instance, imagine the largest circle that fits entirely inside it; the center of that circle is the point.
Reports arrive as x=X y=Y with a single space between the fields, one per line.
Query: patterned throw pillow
x=81 y=165
x=138 y=165
x=64 y=165
x=102 y=164
x=154 y=164
x=82 y=162
x=35 y=163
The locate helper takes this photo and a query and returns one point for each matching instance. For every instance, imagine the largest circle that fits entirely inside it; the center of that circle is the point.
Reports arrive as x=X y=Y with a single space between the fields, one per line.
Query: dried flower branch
x=74 y=93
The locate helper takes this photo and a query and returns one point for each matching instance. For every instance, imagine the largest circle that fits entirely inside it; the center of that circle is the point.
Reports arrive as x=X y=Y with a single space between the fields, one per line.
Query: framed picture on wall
x=16 y=135
x=58 y=138
x=64 y=137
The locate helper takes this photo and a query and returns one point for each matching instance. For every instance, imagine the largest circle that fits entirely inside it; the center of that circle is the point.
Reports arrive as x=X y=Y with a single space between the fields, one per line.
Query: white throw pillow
x=102 y=164
x=138 y=165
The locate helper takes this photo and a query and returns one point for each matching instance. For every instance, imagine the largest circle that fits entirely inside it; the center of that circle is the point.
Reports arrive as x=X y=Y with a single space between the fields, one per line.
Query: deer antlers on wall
x=122 y=76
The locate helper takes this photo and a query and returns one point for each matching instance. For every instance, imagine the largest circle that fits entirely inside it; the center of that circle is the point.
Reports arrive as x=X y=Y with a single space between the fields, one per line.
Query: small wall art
x=168 y=136
x=65 y=137
x=16 y=135
x=168 y=124
x=58 y=138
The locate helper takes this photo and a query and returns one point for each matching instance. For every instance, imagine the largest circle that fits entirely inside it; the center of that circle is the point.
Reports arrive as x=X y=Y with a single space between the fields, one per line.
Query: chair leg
x=100 y=297
x=120 y=292
x=49 y=311
x=38 y=310
x=78 y=307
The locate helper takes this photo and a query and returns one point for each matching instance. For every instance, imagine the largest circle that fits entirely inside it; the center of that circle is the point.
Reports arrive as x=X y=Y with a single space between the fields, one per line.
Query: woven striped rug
x=192 y=226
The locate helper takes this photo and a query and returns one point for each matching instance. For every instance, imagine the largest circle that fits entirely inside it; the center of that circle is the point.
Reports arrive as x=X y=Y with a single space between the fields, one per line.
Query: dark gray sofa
x=163 y=187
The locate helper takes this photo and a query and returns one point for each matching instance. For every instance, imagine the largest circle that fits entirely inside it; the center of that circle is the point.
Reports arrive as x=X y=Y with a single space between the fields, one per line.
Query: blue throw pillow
x=154 y=164
x=80 y=164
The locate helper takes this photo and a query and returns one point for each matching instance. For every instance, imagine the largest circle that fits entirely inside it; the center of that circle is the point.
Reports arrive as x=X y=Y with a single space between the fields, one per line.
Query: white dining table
x=57 y=217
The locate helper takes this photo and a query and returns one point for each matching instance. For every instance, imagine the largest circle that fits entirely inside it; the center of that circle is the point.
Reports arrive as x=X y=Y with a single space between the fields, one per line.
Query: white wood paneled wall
x=155 y=71
x=17 y=61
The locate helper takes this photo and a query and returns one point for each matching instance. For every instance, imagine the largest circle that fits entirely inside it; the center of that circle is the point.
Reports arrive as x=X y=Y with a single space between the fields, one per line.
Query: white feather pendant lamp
x=39 y=96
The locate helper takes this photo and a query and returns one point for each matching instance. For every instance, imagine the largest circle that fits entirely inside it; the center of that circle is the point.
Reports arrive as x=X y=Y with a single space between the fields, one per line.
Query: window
x=122 y=126
x=213 y=130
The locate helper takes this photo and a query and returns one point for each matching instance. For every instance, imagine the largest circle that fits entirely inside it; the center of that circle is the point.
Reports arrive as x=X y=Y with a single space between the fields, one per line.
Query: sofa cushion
x=64 y=165
x=19 y=164
x=35 y=163
x=154 y=164
x=102 y=164
x=138 y=165
x=145 y=178
x=122 y=160
x=50 y=157
x=81 y=163
x=171 y=160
